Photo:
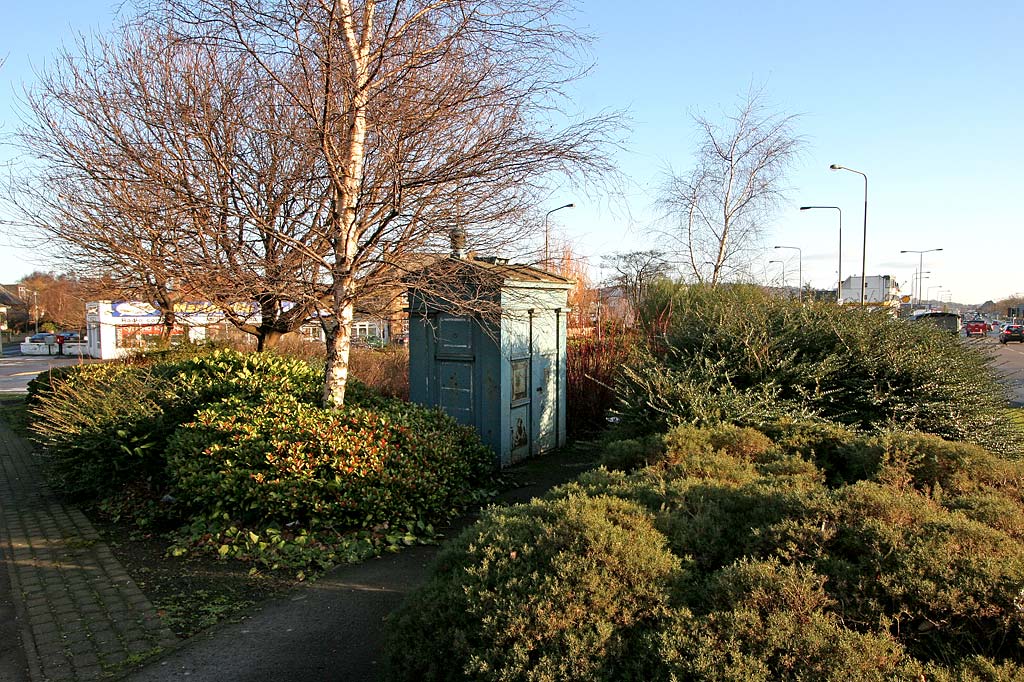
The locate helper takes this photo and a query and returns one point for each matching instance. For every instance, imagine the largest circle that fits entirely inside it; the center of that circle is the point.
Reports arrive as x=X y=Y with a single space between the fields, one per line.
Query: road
x=1008 y=361
x=16 y=370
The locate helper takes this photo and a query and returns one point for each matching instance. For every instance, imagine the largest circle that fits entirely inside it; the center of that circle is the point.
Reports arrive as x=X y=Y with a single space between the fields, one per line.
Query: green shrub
x=747 y=645
x=915 y=569
x=632 y=453
x=742 y=442
x=105 y=426
x=771 y=621
x=101 y=428
x=943 y=582
x=844 y=454
x=926 y=461
x=737 y=354
x=283 y=462
x=211 y=377
x=559 y=590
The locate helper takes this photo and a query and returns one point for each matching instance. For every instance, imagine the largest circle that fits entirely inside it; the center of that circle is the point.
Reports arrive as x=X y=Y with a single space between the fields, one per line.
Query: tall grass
x=592 y=367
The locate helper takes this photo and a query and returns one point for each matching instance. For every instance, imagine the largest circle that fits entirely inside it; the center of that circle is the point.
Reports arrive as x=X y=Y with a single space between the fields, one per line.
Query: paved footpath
x=78 y=614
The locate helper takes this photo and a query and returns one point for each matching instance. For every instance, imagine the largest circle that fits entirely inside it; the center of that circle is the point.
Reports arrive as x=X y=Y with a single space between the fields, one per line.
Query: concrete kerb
x=79 y=614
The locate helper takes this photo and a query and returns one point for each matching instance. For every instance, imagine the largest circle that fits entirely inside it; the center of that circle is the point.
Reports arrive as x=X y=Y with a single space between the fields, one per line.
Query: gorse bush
x=737 y=354
x=559 y=590
x=799 y=551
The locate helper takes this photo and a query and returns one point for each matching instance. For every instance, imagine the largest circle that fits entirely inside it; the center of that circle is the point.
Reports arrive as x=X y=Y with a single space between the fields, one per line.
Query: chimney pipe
x=458 y=236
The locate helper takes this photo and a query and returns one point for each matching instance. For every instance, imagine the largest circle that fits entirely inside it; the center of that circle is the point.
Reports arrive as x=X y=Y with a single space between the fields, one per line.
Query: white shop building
x=114 y=329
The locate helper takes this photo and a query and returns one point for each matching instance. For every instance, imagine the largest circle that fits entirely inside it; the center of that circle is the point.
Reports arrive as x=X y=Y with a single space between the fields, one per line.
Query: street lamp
x=920 y=265
x=864 y=243
x=934 y=286
x=839 y=286
x=783 y=264
x=35 y=308
x=547 y=234
x=800 y=261
x=916 y=280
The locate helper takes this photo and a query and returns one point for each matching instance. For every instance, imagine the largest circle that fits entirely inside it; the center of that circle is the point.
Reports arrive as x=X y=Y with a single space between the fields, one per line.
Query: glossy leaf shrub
x=232 y=449
x=292 y=464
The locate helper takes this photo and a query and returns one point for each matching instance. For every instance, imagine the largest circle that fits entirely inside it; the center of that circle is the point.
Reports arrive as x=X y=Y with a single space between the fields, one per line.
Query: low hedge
x=552 y=590
x=911 y=569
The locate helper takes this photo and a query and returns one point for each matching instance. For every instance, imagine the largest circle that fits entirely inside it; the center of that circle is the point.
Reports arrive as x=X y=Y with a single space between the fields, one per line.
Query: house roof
x=498 y=269
x=7 y=297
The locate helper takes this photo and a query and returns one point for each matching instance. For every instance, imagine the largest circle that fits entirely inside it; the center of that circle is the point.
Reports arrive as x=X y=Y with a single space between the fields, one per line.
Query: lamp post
x=839 y=286
x=800 y=262
x=915 y=284
x=547 y=234
x=864 y=243
x=35 y=309
x=920 y=265
x=934 y=286
x=783 y=264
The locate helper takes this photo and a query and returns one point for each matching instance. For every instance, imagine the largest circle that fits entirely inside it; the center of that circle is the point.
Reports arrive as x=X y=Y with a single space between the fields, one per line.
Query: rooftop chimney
x=458 y=236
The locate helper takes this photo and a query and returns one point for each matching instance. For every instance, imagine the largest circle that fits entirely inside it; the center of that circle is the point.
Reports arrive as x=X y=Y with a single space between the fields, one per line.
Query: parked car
x=42 y=337
x=1012 y=332
x=69 y=337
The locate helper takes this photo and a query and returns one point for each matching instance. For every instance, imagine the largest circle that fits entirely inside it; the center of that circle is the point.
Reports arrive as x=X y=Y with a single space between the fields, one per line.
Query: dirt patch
x=191 y=593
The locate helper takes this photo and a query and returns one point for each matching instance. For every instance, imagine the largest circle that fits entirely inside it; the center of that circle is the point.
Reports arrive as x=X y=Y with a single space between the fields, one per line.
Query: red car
x=979 y=327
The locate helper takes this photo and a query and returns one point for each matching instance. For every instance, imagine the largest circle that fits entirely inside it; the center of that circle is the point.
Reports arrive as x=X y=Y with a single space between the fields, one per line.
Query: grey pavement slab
x=63 y=584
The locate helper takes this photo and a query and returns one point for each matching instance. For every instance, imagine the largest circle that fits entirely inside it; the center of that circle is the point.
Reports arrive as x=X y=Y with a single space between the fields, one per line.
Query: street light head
x=835 y=166
x=804 y=208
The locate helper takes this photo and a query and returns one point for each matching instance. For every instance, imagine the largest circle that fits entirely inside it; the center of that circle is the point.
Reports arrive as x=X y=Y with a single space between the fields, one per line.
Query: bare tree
x=634 y=272
x=427 y=115
x=719 y=210
x=166 y=167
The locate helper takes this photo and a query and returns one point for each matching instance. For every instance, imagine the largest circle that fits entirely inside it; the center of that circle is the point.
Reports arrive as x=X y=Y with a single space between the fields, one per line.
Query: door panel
x=456 y=390
x=544 y=397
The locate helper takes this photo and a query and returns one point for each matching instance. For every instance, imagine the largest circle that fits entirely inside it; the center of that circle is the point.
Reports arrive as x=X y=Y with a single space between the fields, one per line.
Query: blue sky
x=923 y=97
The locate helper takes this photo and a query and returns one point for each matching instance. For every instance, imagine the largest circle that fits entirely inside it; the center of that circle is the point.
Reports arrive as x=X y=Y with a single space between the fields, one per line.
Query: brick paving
x=79 y=614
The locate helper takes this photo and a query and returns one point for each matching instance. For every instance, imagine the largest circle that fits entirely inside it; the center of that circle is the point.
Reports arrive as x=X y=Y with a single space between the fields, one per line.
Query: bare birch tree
x=427 y=115
x=720 y=209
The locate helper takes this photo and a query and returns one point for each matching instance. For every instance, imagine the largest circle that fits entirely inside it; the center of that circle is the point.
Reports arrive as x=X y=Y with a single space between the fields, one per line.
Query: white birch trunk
x=345 y=231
